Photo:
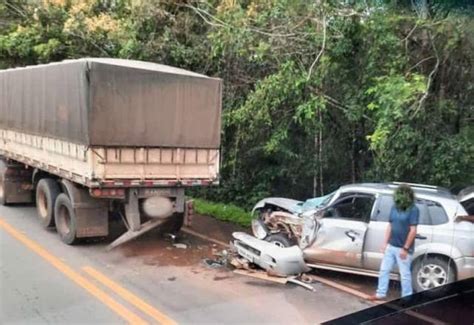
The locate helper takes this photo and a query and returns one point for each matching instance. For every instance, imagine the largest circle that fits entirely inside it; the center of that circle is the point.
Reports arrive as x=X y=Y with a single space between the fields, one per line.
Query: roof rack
x=421 y=186
x=416 y=185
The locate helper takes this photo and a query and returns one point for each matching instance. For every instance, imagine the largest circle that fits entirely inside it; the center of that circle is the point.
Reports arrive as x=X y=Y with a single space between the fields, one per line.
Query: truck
x=91 y=139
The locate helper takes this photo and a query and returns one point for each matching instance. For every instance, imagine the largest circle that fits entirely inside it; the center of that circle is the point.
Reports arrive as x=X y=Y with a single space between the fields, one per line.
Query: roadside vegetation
x=316 y=93
x=224 y=212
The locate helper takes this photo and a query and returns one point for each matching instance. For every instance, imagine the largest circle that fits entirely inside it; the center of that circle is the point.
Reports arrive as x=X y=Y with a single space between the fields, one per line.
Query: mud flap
x=91 y=214
x=282 y=261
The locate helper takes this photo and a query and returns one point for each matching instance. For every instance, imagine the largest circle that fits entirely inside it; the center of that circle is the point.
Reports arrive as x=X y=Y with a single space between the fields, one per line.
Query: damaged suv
x=344 y=231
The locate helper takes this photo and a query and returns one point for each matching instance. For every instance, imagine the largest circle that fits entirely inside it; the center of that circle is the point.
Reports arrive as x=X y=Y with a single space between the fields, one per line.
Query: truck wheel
x=65 y=219
x=3 y=168
x=280 y=240
x=2 y=191
x=432 y=272
x=46 y=193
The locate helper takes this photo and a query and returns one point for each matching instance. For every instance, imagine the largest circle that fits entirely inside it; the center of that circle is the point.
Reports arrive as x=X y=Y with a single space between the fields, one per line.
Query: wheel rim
x=63 y=223
x=42 y=204
x=431 y=276
x=278 y=243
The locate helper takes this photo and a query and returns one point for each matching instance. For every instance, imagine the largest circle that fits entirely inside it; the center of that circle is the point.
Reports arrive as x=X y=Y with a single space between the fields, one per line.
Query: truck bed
x=106 y=166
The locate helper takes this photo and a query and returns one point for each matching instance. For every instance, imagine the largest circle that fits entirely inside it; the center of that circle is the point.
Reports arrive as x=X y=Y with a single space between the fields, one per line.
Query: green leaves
x=390 y=98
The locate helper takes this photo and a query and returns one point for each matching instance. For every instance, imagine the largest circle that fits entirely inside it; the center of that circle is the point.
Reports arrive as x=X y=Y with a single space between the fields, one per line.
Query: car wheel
x=432 y=272
x=280 y=240
x=46 y=193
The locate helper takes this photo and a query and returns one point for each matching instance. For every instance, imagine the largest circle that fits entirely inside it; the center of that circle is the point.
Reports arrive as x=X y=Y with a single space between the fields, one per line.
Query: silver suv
x=344 y=231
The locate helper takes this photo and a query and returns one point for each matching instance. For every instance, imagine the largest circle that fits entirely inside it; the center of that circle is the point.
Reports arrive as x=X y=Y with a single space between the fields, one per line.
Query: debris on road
x=261 y=275
x=212 y=263
x=282 y=280
x=280 y=264
x=180 y=245
x=281 y=261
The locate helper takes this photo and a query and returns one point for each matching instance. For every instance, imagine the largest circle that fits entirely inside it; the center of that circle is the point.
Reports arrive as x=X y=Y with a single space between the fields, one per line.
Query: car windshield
x=314 y=203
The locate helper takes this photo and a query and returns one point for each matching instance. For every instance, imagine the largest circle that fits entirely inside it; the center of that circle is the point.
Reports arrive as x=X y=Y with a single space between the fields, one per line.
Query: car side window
x=437 y=215
x=431 y=213
x=383 y=209
x=353 y=207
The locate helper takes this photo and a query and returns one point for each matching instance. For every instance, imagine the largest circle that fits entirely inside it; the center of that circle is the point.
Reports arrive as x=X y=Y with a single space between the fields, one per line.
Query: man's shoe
x=374 y=298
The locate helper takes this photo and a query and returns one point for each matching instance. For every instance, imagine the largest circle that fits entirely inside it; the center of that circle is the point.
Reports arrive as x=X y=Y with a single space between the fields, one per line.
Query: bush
x=224 y=212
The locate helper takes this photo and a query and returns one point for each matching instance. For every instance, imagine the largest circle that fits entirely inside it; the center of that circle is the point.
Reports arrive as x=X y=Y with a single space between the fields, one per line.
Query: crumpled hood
x=288 y=204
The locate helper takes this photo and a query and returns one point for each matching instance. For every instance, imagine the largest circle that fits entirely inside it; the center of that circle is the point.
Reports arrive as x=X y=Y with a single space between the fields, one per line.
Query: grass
x=224 y=212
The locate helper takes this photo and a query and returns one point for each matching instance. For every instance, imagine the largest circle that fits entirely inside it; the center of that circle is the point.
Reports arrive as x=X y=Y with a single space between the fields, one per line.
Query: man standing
x=399 y=242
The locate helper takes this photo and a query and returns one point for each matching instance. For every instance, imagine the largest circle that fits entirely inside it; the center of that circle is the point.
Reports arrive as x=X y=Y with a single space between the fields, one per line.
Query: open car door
x=466 y=198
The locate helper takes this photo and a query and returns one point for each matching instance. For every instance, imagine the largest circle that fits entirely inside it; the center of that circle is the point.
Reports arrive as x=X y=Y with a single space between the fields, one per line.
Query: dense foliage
x=317 y=93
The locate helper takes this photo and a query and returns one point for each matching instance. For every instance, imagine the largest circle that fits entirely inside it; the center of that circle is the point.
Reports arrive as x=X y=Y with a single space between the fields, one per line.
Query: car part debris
x=281 y=261
x=262 y=276
x=282 y=280
x=240 y=263
x=212 y=263
x=301 y=283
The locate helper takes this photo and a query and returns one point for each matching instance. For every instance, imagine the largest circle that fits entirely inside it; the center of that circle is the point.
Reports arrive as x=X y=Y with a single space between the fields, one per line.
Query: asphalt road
x=146 y=281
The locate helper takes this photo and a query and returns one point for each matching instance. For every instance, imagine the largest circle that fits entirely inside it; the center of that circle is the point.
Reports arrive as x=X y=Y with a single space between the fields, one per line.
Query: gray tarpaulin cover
x=113 y=102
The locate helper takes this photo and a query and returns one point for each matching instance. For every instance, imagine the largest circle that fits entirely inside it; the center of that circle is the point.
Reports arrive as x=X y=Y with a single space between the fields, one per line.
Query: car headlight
x=308 y=233
x=259 y=229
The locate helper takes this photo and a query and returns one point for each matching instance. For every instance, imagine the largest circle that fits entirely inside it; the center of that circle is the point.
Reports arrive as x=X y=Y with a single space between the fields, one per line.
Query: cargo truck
x=92 y=138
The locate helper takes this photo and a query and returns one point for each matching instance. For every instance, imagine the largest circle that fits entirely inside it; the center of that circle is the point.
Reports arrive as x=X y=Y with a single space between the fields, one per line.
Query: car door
x=375 y=237
x=341 y=233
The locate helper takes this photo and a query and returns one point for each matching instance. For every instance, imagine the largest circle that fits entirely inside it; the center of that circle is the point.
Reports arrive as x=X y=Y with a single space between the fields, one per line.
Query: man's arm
x=465 y=218
x=388 y=233
x=410 y=238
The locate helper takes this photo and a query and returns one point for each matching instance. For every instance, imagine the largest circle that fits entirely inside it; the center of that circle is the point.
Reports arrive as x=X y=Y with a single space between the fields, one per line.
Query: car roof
x=388 y=188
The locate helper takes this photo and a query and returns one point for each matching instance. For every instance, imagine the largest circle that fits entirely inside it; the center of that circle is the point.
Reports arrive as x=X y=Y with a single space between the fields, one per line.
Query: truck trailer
x=92 y=138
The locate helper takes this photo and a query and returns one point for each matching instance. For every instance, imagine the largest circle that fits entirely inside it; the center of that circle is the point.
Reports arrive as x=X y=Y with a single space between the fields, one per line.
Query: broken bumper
x=278 y=260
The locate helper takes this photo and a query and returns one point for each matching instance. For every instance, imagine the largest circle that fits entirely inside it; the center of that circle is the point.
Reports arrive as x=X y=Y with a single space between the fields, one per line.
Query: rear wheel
x=65 y=219
x=280 y=240
x=3 y=168
x=432 y=272
x=46 y=193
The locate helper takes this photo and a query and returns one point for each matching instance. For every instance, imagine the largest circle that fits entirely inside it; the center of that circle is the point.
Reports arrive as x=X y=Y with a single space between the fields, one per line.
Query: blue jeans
x=392 y=255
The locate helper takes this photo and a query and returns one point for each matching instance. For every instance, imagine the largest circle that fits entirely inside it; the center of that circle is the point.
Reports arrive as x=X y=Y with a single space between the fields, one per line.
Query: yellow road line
x=129 y=297
x=74 y=276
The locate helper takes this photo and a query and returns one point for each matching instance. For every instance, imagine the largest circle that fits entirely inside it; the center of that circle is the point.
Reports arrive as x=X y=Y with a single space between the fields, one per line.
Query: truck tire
x=2 y=192
x=279 y=239
x=65 y=219
x=3 y=168
x=47 y=191
x=431 y=272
